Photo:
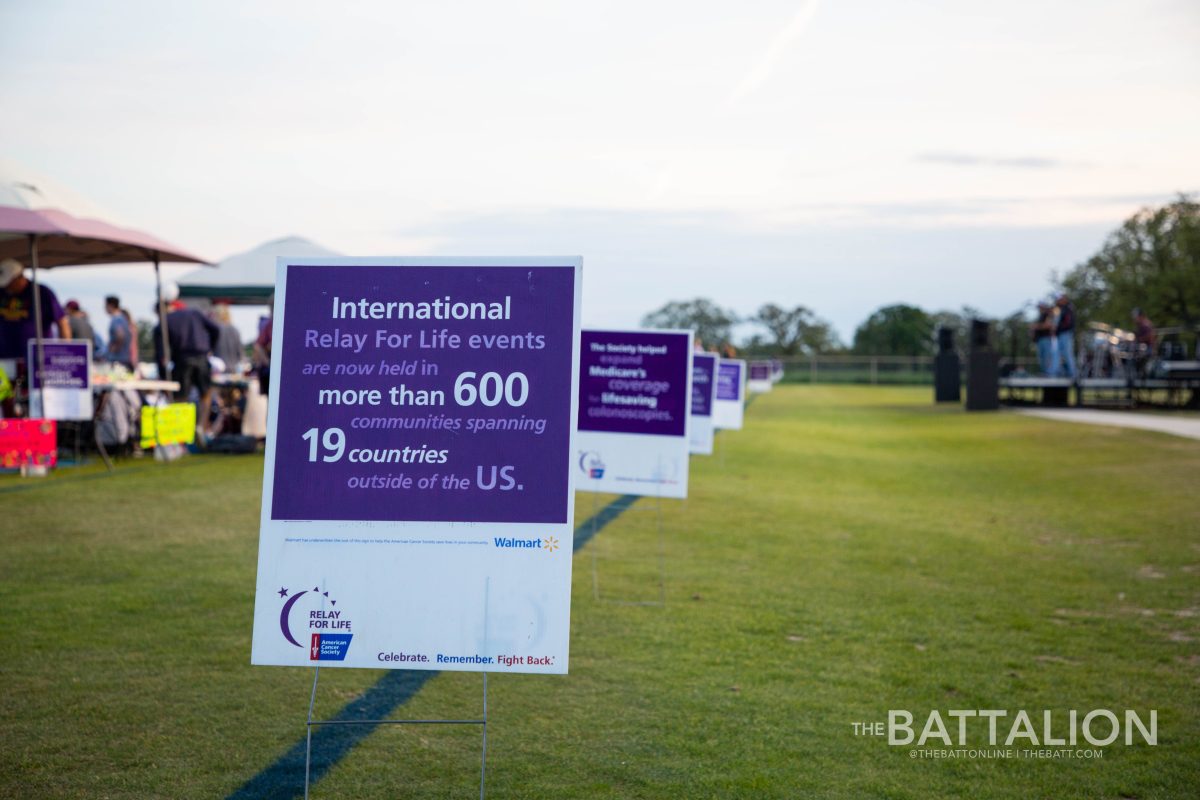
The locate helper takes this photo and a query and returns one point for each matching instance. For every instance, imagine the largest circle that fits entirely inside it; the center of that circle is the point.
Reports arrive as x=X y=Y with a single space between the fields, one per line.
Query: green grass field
x=853 y=550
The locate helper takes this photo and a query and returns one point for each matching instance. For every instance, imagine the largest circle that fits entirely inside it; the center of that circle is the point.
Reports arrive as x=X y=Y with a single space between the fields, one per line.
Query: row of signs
x=427 y=435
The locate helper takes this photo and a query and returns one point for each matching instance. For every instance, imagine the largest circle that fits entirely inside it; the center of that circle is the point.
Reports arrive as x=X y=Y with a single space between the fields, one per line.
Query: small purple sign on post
x=65 y=365
x=728 y=407
x=704 y=368
x=704 y=373
x=630 y=383
x=634 y=390
x=729 y=380
x=62 y=385
x=760 y=376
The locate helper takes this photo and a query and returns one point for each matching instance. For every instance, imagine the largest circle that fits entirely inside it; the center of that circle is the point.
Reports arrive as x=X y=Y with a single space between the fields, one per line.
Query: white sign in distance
x=634 y=392
x=728 y=406
x=704 y=390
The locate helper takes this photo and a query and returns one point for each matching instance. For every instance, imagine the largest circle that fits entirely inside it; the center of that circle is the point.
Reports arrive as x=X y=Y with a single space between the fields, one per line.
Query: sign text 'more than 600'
x=421 y=439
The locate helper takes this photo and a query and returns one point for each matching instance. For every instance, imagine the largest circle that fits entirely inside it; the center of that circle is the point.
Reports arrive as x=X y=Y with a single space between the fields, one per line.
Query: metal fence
x=875 y=370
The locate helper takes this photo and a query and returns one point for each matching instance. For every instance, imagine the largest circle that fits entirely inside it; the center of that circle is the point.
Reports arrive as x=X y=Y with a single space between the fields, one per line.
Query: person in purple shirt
x=17 y=324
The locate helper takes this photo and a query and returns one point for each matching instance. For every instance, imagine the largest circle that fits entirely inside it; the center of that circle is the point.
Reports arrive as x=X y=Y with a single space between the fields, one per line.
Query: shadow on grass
x=284 y=779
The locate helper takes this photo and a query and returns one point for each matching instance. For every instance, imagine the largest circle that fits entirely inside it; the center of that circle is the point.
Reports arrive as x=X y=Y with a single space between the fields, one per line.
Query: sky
x=837 y=155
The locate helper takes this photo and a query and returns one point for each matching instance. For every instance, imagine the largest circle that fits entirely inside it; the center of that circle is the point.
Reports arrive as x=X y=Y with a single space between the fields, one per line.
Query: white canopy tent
x=246 y=278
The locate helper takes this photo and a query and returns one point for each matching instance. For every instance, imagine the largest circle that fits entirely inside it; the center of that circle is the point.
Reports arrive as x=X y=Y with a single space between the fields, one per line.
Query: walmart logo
x=549 y=544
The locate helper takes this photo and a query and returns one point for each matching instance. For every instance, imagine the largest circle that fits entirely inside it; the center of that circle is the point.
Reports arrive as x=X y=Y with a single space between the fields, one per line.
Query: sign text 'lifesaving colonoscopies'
x=634 y=388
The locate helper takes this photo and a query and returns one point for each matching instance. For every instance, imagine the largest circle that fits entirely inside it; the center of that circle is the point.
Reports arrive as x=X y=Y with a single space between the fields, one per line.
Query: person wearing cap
x=1064 y=335
x=17 y=323
x=77 y=320
x=191 y=336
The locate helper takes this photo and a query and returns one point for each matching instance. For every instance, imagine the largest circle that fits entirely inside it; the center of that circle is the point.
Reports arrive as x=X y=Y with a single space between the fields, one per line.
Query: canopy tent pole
x=162 y=322
x=34 y=368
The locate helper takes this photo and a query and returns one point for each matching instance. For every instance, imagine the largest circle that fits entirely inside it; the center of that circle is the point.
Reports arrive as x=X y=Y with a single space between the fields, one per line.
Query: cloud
x=775 y=51
x=1002 y=162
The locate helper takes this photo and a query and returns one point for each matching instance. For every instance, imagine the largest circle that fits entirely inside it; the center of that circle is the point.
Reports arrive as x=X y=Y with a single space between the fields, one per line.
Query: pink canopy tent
x=37 y=228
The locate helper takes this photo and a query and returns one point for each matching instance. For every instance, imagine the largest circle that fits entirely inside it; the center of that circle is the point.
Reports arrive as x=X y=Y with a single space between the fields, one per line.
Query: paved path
x=1163 y=423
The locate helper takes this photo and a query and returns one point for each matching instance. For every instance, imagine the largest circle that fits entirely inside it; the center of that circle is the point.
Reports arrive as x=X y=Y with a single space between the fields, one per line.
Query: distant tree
x=796 y=331
x=899 y=330
x=957 y=321
x=1012 y=338
x=713 y=324
x=1152 y=261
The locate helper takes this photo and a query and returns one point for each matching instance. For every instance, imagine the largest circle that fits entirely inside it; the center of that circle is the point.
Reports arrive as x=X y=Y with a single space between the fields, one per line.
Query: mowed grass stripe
x=852 y=550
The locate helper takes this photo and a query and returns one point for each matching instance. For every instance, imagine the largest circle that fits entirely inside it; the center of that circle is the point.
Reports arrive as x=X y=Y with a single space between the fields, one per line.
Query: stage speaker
x=981 y=333
x=945 y=339
x=947 y=378
x=983 y=370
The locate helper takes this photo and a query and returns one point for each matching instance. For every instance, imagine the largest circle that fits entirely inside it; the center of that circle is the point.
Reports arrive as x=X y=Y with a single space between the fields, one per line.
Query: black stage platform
x=1178 y=387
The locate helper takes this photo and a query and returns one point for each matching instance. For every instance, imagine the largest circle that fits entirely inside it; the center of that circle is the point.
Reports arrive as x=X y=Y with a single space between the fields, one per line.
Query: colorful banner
x=760 y=377
x=418 y=494
x=704 y=388
x=64 y=381
x=28 y=442
x=634 y=391
x=731 y=394
x=170 y=424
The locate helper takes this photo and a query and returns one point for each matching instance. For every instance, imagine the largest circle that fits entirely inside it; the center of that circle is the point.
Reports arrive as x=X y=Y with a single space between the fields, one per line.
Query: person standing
x=81 y=326
x=262 y=351
x=1064 y=335
x=228 y=346
x=1043 y=339
x=190 y=337
x=17 y=323
x=121 y=338
x=1143 y=331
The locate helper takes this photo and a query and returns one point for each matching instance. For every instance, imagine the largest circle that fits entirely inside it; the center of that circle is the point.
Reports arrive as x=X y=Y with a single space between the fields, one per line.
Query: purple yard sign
x=424 y=394
x=703 y=368
x=62 y=387
x=633 y=382
x=66 y=364
x=760 y=370
x=418 y=490
x=729 y=380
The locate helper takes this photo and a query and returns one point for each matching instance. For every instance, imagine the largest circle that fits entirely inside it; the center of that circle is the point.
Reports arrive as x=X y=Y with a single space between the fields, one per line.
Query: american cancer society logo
x=591 y=464
x=314 y=615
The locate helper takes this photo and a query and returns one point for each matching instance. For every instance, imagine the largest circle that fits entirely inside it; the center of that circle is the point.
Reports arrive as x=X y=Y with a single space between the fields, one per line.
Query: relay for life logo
x=590 y=464
x=310 y=618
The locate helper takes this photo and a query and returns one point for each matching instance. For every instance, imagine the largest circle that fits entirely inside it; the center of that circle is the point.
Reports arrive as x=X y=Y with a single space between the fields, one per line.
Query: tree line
x=1151 y=262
